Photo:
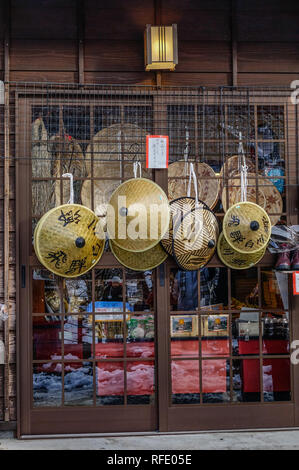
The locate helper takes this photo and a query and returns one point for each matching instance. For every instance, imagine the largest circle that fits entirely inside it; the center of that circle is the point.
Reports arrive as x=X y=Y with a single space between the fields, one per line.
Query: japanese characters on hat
x=247 y=227
x=234 y=259
x=65 y=241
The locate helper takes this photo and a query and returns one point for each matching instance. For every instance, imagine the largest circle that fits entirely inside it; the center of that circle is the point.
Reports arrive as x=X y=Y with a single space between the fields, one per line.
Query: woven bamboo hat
x=65 y=241
x=112 y=146
x=208 y=183
x=231 y=167
x=195 y=239
x=102 y=192
x=143 y=261
x=178 y=209
x=138 y=215
x=235 y=260
x=268 y=196
x=247 y=227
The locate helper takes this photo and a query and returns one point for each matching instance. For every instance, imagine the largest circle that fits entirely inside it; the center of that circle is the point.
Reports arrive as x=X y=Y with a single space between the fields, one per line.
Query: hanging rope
x=137 y=165
x=186 y=154
x=69 y=175
x=243 y=169
x=192 y=175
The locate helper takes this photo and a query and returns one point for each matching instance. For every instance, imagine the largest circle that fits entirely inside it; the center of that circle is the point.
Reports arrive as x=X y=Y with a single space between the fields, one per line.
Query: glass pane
x=183 y=290
x=215 y=381
x=245 y=289
x=45 y=292
x=276 y=379
x=215 y=335
x=140 y=336
x=47 y=384
x=246 y=380
x=46 y=337
x=140 y=382
x=78 y=384
x=110 y=383
x=109 y=333
x=78 y=294
x=184 y=335
x=213 y=288
x=139 y=290
x=274 y=289
x=245 y=333
x=109 y=291
x=276 y=335
x=185 y=381
x=77 y=337
x=270 y=123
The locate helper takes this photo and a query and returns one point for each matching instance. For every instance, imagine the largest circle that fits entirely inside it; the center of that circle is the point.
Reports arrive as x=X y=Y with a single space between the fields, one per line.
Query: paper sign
x=296 y=283
x=157 y=151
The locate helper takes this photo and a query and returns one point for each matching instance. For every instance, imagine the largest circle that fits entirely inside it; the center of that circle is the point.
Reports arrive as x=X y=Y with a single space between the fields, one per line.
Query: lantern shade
x=160 y=47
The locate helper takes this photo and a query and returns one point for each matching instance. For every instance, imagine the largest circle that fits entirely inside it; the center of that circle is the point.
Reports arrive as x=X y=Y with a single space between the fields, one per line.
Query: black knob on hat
x=80 y=242
x=123 y=211
x=254 y=225
x=211 y=244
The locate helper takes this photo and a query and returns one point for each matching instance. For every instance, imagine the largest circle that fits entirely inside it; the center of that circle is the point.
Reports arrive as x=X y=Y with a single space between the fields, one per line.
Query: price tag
x=157 y=148
x=296 y=283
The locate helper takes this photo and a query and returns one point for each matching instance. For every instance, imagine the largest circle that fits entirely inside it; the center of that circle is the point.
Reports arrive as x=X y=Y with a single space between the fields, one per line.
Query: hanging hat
x=235 y=260
x=138 y=215
x=246 y=227
x=231 y=167
x=208 y=183
x=65 y=241
x=268 y=195
x=142 y=261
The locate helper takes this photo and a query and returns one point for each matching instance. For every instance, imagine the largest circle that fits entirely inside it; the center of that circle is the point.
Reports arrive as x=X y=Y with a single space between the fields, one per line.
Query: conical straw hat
x=142 y=261
x=235 y=260
x=194 y=252
x=65 y=241
x=138 y=215
x=246 y=227
x=208 y=183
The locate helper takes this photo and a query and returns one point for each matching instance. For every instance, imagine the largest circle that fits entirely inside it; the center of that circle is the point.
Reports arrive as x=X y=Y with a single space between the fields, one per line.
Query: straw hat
x=268 y=195
x=65 y=241
x=246 y=227
x=208 y=183
x=102 y=192
x=195 y=239
x=112 y=146
x=231 y=167
x=138 y=215
x=146 y=260
x=235 y=260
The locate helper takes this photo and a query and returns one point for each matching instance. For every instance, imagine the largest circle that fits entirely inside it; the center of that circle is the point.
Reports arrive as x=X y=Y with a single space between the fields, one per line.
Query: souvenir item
x=142 y=261
x=267 y=196
x=112 y=147
x=231 y=167
x=208 y=183
x=65 y=241
x=102 y=192
x=234 y=259
x=246 y=227
x=138 y=215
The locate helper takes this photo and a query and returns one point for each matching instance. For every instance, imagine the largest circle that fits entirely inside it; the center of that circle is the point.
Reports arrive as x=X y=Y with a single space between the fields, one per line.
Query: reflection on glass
x=109 y=290
x=183 y=290
x=140 y=329
x=46 y=337
x=246 y=380
x=274 y=289
x=185 y=381
x=139 y=290
x=184 y=335
x=47 y=384
x=276 y=379
x=110 y=383
x=245 y=289
x=78 y=294
x=276 y=335
x=245 y=333
x=78 y=384
x=215 y=335
x=45 y=292
x=215 y=381
x=140 y=382
x=109 y=333
x=213 y=288
x=77 y=337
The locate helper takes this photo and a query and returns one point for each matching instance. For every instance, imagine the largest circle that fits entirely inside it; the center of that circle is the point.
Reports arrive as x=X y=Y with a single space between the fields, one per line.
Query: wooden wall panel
x=271 y=26
x=274 y=57
x=122 y=78
x=266 y=79
x=196 y=79
x=43 y=76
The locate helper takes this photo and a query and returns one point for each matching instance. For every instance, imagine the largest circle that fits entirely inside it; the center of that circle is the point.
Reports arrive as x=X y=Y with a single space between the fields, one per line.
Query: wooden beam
x=158 y=19
x=7 y=7
x=234 y=43
x=80 y=29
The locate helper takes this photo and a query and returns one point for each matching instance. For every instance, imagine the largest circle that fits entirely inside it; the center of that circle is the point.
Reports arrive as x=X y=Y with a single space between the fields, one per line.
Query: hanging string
x=137 y=165
x=192 y=175
x=69 y=175
x=243 y=169
x=186 y=154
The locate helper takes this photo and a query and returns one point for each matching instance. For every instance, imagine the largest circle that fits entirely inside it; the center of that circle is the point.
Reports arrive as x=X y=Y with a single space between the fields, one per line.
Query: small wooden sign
x=296 y=283
x=157 y=150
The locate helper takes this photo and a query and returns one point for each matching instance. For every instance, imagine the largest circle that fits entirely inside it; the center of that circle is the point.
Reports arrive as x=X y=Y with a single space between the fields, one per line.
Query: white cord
x=135 y=168
x=69 y=175
x=243 y=169
x=193 y=175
